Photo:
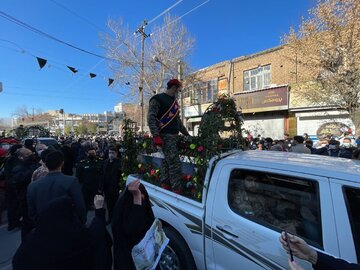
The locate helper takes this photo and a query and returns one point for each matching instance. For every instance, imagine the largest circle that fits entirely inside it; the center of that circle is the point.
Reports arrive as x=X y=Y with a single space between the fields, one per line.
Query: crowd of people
x=346 y=146
x=49 y=190
x=48 y=193
x=94 y=162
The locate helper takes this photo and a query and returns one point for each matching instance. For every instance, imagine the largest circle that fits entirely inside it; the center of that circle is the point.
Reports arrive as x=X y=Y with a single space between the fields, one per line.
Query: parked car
x=44 y=140
x=249 y=198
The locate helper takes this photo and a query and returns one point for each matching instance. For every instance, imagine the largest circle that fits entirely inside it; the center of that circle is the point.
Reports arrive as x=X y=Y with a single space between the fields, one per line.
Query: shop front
x=265 y=111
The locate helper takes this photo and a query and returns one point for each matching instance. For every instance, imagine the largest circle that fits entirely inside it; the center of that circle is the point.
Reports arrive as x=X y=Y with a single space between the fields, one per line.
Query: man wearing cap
x=165 y=124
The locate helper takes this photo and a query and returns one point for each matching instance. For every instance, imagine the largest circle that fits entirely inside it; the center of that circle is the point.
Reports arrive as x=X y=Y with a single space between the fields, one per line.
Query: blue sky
x=223 y=29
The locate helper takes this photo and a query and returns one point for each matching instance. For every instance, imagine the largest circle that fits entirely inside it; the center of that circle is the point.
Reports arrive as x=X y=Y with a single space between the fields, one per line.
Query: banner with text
x=272 y=99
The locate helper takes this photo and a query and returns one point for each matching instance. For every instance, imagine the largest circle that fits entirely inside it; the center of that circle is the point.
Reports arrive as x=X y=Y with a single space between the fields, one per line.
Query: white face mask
x=39 y=152
x=346 y=145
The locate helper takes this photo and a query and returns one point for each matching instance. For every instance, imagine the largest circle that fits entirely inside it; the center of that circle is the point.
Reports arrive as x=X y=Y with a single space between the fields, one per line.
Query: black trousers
x=111 y=197
x=13 y=205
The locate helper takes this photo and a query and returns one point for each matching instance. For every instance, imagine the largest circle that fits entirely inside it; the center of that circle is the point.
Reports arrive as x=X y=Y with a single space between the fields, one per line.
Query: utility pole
x=181 y=93
x=141 y=31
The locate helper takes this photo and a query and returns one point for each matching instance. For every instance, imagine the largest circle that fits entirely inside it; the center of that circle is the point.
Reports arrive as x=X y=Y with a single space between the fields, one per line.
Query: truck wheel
x=176 y=255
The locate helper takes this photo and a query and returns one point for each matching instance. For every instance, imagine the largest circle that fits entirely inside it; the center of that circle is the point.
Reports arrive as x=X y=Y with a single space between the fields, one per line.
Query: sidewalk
x=9 y=242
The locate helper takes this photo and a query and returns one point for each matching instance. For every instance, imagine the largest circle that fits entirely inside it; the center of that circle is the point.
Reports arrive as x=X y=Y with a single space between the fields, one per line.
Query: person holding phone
x=320 y=261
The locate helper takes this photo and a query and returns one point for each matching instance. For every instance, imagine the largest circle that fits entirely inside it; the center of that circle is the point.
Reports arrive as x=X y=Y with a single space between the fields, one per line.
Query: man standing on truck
x=165 y=124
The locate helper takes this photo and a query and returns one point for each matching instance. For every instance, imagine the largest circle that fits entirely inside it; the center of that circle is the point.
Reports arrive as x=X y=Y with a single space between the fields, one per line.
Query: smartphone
x=288 y=244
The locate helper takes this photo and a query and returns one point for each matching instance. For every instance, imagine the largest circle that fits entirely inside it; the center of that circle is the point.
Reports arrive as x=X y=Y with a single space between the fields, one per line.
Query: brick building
x=264 y=85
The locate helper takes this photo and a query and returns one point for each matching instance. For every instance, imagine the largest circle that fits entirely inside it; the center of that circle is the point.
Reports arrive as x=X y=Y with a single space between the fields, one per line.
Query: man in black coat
x=54 y=184
x=20 y=179
x=60 y=241
x=68 y=158
x=89 y=172
x=13 y=213
x=111 y=180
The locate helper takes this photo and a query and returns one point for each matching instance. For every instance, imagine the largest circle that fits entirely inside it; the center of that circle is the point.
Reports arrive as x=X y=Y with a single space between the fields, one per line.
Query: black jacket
x=60 y=241
x=20 y=176
x=51 y=186
x=89 y=173
x=129 y=225
x=68 y=160
x=111 y=176
x=326 y=262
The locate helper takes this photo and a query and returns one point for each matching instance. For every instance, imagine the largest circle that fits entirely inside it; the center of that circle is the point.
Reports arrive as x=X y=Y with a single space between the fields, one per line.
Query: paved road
x=9 y=242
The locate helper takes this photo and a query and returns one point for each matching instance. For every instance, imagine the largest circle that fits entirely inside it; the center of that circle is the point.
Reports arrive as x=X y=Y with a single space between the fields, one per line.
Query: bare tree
x=167 y=44
x=21 y=112
x=327 y=45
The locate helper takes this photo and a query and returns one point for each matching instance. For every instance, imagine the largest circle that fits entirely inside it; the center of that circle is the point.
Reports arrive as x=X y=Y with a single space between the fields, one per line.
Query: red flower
x=184 y=177
x=188 y=177
x=216 y=109
x=200 y=148
x=152 y=172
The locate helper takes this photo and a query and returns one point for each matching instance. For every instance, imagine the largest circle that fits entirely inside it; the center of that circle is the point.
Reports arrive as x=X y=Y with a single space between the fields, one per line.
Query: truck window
x=277 y=202
x=352 y=199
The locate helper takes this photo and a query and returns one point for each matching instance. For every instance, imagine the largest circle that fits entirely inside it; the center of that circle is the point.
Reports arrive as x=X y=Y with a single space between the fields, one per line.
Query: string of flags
x=42 y=63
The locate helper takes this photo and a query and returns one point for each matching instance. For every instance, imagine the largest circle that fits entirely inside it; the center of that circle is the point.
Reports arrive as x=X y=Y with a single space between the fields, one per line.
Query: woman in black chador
x=132 y=218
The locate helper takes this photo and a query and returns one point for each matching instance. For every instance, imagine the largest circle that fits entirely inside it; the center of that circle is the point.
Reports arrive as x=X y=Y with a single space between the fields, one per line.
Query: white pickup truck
x=249 y=198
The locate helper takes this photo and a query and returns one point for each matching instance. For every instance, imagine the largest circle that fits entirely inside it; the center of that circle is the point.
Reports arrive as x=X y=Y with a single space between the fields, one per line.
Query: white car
x=249 y=198
x=48 y=141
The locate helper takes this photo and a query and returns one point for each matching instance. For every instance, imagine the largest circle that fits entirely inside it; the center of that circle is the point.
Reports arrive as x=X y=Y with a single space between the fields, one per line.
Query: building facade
x=265 y=88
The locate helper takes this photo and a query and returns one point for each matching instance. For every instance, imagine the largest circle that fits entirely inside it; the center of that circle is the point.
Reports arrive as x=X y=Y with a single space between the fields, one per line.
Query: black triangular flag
x=41 y=61
x=92 y=75
x=110 y=81
x=73 y=70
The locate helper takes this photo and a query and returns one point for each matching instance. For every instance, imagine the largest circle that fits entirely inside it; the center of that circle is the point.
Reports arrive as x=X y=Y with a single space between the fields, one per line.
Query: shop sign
x=332 y=129
x=273 y=99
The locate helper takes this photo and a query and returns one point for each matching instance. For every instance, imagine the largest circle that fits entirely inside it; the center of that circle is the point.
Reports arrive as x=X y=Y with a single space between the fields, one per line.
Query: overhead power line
x=79 y=16
x=178 y=18
x=44 y=34
x=138 y=35
x=164 y=12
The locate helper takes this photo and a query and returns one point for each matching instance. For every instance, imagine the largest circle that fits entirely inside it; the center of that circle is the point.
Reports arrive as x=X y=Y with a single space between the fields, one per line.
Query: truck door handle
x=226 y=231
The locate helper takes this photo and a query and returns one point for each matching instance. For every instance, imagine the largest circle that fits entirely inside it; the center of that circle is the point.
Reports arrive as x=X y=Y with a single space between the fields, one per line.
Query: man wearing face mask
x=333 y=150
x=165 y=124
x=347 y=145
x=20 y=179
x=89 y=173
x=111 y=181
